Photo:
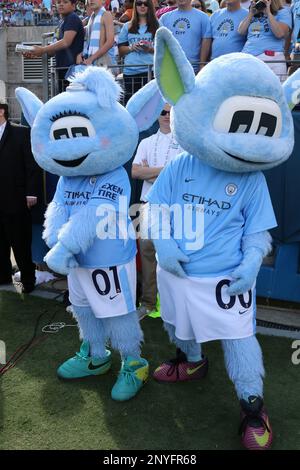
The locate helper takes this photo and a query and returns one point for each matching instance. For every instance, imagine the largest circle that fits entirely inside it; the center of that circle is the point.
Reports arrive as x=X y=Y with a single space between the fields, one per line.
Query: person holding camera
x=135 y=44
x=267 y=25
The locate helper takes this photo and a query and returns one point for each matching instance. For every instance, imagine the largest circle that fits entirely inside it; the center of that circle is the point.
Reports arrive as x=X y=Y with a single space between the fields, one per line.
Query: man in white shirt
x=152 y=155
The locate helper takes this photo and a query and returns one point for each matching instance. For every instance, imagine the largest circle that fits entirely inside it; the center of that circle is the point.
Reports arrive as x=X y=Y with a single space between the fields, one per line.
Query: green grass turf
x=37 y=411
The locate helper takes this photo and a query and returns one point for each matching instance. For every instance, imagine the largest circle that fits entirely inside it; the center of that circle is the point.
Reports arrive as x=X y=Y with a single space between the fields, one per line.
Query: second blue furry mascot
x=233 y=120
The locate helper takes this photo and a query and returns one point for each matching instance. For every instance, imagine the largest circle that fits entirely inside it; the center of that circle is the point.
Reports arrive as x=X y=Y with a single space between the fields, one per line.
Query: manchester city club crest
x=231 y=189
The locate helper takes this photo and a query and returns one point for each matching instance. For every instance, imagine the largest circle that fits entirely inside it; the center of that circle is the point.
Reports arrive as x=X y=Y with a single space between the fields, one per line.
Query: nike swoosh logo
x=187 y=180
x=113 y=296
x=262 y=440
x=92 y=367
x=192 y=371
x=244 y=311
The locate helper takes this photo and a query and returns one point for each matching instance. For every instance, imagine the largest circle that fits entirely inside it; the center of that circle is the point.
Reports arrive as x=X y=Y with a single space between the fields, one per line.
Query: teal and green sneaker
x=132 y=376
x=83 y=365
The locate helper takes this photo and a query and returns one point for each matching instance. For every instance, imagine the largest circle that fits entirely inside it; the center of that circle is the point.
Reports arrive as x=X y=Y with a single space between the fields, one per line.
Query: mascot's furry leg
x=189 y=363
x=93 y=358
x=125 y=335
x=244 y=364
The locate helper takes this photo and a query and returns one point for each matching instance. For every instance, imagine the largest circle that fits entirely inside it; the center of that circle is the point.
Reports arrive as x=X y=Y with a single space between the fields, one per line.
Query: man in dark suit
x=20 y=178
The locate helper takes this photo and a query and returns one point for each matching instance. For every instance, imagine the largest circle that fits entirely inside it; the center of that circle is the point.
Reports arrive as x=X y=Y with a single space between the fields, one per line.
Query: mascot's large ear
x=146 y=105
x=174 y=74
x=291 y=89
x=30 y=104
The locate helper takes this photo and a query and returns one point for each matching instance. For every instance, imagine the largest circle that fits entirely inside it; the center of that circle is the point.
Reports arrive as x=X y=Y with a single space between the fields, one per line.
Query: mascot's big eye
x=71 y=127
x=267 y=125
x=249 y=114
x=60 y=134
x=80 y=132
x=241 y=121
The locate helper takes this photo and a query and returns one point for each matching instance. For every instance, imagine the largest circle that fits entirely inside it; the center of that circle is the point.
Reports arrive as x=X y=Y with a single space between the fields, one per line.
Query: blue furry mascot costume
x=85 y=135
x=233 y=120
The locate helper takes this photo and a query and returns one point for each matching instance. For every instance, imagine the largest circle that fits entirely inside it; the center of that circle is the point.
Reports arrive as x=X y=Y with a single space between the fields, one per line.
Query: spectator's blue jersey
x=28 y=12
x=295 y=9
x=224 y=26
x=234 y=205
x=260 y=36
x=135 y=58
x=77 y=192
x=189 y=28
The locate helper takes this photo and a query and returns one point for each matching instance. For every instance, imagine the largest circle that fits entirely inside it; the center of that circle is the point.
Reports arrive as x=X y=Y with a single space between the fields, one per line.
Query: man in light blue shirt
x=224 y=26
x=28 y=16
x=192 y=30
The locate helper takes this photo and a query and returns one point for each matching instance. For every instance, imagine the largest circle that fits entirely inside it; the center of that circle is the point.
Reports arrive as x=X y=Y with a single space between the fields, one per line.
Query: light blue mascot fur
x=85 y=135
x=233 y=120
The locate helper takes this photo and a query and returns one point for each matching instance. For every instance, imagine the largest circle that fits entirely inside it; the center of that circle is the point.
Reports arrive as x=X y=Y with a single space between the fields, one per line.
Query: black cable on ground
x=35 y=339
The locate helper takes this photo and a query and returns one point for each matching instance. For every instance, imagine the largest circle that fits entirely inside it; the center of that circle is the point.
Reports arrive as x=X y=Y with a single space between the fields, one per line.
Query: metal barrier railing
x=54 y=82
x=130 y=84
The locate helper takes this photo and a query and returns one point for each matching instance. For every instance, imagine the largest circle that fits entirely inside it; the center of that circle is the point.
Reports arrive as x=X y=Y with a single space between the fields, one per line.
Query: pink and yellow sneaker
x=255 y=428
x=180 y=370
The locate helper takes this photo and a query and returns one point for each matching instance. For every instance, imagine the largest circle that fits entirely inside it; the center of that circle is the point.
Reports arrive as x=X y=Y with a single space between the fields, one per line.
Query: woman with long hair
x=267 y=25
x=136 y=46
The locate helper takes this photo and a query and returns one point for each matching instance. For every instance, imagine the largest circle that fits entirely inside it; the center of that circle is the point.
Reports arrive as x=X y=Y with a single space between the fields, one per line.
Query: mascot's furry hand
x=170 y=256
x=60 y=260
x=51 y=240
x=245 y=274
x=55 y=218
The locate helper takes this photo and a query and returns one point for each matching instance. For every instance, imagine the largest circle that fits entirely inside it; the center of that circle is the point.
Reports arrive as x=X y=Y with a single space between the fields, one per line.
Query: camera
x=144 y=43
x=260 y=5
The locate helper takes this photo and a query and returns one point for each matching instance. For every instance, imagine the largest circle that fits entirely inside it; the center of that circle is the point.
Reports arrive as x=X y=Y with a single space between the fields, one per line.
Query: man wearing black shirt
x=70 y=39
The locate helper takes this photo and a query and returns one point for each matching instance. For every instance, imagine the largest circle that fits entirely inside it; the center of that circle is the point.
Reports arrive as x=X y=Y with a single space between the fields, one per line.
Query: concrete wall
x=11 y=63
x=2 y=90
x=3 y=57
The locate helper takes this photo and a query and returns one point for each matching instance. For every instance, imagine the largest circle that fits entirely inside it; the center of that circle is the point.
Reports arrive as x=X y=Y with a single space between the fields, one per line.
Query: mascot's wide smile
x=71 y=163
x=242 y=159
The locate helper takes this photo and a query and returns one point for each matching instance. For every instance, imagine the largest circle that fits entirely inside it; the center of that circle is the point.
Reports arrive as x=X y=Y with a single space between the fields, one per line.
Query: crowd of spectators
x=34 y=12
x=26 y=13
x=205 y=30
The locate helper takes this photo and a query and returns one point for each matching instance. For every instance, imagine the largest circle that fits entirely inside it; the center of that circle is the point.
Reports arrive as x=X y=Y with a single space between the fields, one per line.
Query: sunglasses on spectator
x=197 y=6
x=139 y=4
x=164 y=112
